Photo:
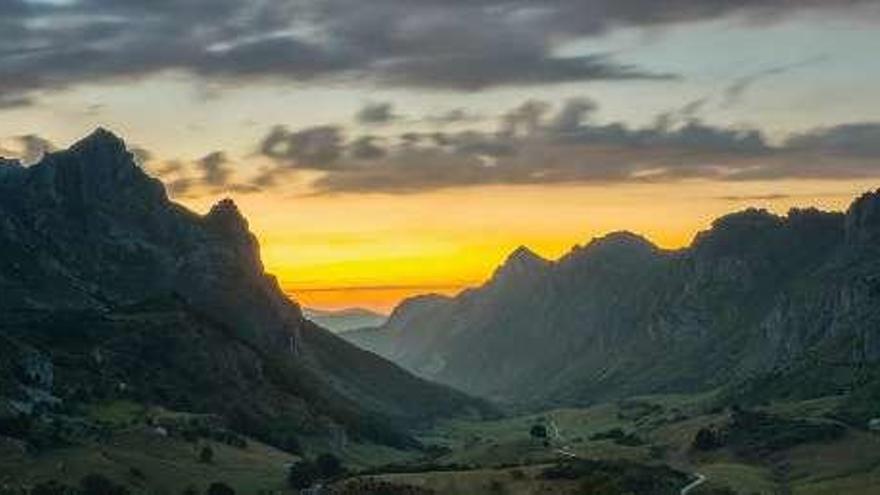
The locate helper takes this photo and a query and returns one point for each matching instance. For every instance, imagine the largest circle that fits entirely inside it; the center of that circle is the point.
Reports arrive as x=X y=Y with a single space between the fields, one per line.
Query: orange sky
x=374 y=250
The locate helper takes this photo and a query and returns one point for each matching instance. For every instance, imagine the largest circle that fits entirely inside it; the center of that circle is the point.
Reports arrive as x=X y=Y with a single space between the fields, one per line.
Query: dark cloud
x=214 y=173
x=376 y=114
x=453 y=116
x=314 y=147
x=365 y=148
x=215 y=169
x=442 y=44
x=536 y=143
x=862 y=139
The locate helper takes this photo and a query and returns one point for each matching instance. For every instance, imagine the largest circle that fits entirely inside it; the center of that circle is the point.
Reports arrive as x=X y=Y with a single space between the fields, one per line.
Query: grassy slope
x=168 y=464
x=848 y=465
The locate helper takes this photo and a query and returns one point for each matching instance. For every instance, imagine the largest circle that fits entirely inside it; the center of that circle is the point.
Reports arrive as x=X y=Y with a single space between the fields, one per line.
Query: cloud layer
x=442 y=44
x=537 y=143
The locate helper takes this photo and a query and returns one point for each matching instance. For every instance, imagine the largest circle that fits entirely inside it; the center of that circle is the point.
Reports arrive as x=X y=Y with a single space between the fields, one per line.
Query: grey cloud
x=573 y=114
x=365 y=148
x=441 y=44
x=315 y=147
x=215 y=169
x=860 y=139
x=376 y=114
x=536 y=145
x=453 y=116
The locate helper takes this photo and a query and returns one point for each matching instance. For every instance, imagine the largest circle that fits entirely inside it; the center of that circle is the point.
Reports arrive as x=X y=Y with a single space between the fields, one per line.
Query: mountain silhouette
x=756 y=295
x=120 y=292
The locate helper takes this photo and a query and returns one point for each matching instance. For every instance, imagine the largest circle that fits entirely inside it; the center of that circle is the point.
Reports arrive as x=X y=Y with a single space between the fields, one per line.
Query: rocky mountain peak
x=104 y=150
x=614 y=246
x=621 y=239
x=862 y=223
x=522 y=262
x=96 y=170
x=225 y=216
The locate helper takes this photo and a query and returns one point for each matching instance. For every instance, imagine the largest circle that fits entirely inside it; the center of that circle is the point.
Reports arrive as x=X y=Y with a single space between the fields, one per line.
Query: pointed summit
x=103 y=154
x=522 y=262
x=524 y=255
x=102 y=140
x=226 y=216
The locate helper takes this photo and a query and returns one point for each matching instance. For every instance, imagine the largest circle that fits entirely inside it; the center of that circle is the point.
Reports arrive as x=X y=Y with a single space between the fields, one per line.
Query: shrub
x=707 y=439
x=538 y=431
x=291 y=445
x=206 y=455
x=96 y=484
x=302 y=474
x=329 y=466
x=218 y=488
x=52 y=488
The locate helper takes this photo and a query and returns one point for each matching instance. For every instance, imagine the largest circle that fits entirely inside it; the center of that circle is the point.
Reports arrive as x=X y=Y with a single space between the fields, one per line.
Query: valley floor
x=505 y=456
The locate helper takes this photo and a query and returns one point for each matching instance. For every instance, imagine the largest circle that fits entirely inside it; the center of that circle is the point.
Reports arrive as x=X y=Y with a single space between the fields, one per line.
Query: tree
x=302 y=474
x=206 y=455
x=51 y=488
x=329 y=466
x=96 y=484
x=218 y=488
x=707 y=439
x=291 y=444
x=538 y=432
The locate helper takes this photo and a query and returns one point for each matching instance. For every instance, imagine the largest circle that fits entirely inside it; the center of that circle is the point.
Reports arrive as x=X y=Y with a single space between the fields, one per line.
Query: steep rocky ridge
x=756 y=294
x=125 y=293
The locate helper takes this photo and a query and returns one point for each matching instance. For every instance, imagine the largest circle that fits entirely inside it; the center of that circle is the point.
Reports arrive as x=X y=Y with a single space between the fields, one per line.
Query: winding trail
x=565 y=451
x=699 y=481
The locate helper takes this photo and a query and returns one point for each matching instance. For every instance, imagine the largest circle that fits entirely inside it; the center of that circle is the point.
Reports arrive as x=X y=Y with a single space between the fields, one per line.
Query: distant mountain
x=344 y=319
x=756 y=295
x=110 y=290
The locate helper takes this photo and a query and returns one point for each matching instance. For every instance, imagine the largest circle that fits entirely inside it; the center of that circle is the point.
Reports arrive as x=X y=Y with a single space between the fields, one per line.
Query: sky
x=390 y=148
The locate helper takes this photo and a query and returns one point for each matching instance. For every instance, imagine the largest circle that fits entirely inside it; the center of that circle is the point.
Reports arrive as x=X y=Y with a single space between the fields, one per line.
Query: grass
x=850 y=464
x=168 y=465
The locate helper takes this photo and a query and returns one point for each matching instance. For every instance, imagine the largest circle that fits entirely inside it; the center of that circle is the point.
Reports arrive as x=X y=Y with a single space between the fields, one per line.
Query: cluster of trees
x=97 y=484
x=93 y=484
x=620 y=437
x=306 y=472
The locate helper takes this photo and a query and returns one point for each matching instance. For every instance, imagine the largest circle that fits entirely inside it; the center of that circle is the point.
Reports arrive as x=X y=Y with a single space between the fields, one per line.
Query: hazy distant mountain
x=344 y=319
x=756 y=295
x=111 y=290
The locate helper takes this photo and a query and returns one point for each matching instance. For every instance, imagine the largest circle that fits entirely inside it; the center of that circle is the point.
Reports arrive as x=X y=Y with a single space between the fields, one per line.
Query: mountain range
x=110 y=290
x=343 y=320
x=758 y=302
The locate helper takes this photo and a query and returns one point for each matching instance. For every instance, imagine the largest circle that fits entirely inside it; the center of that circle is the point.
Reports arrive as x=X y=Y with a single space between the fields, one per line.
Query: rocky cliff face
x=755 y=294
x=94 y=258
